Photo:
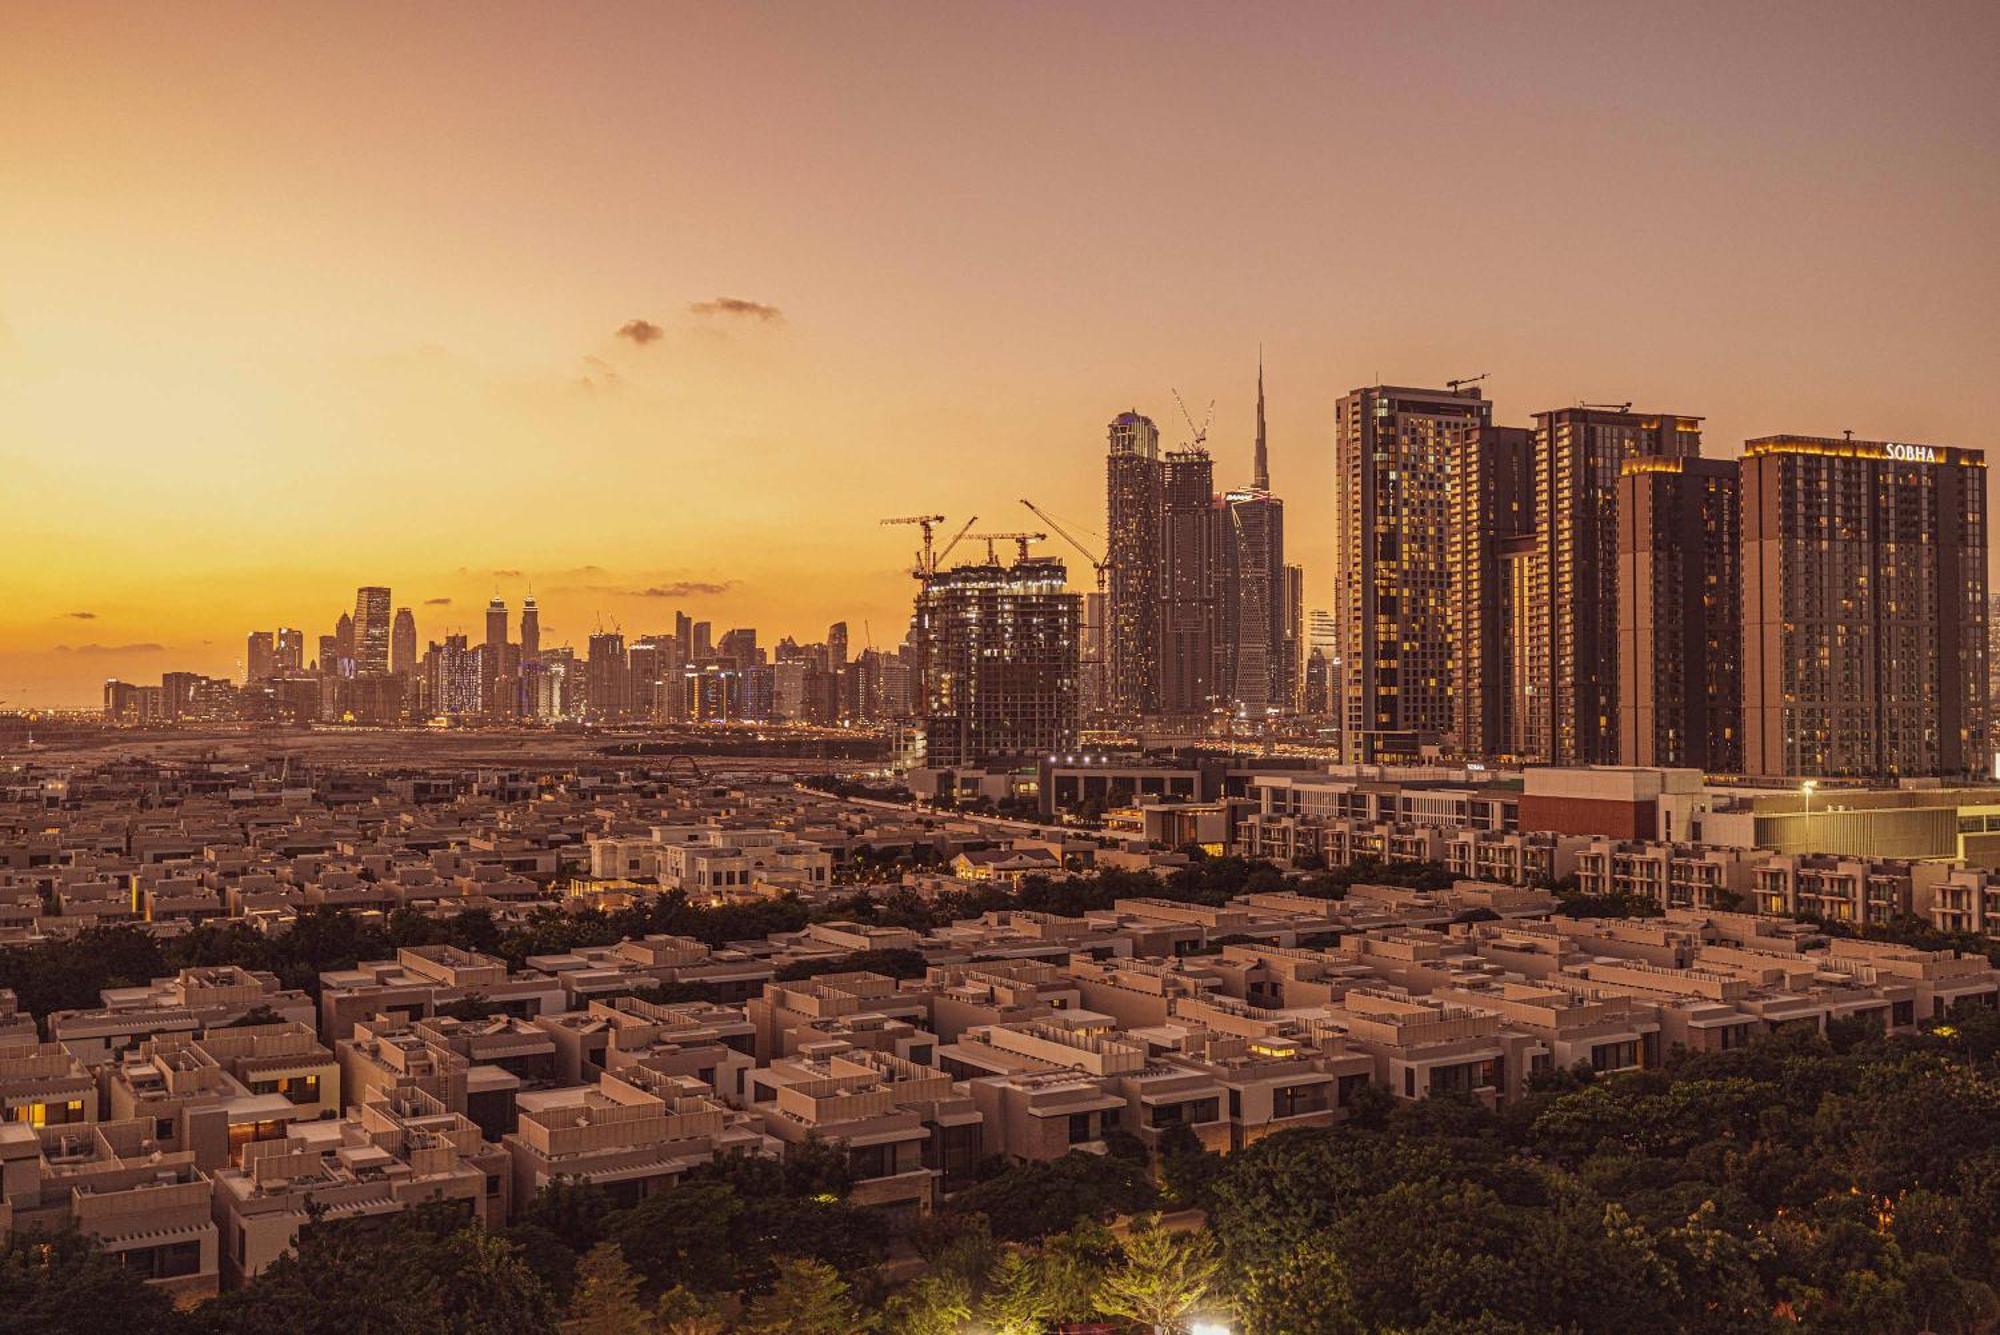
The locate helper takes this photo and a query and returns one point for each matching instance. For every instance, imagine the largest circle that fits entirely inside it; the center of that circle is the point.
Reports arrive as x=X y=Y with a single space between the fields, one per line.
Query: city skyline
x=555 y=333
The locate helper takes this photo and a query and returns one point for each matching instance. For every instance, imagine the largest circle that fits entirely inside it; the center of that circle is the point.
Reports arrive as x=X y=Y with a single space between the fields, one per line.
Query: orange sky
x=295 y=298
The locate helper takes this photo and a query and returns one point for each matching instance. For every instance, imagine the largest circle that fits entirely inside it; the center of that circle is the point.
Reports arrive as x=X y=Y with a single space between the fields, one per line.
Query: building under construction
x=998 y=648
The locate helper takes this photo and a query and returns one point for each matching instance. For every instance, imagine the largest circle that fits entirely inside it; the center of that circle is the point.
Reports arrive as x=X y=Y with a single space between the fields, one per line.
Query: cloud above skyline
x=640 y=332
x=437 y=602
x=82 y=616
x=690 y=588
x=738 y=307
x=97 y=649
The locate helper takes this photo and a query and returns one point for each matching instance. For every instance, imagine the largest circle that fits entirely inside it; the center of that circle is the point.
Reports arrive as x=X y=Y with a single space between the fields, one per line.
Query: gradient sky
x=298 y=297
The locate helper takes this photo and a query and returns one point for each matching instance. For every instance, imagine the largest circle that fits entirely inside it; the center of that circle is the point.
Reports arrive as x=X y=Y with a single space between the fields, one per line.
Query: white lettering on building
x=1913 y=454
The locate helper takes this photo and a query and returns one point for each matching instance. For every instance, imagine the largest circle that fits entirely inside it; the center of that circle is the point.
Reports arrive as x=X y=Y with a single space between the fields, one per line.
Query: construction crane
x=926 y=563
x=1023 y=539
x=1200 y=436
x=1608 y=407
x=1100 y=564
x=1453 y=385
x=956 y=538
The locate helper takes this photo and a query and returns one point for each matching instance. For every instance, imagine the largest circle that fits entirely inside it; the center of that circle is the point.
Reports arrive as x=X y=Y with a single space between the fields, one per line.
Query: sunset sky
x=298 y=297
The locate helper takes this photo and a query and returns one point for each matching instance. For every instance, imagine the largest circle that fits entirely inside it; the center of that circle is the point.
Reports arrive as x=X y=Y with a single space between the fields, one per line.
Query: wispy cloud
x=599 y=374
x=506 y=574
x=437 y=602
x=640 y=332
x=690 y=588
x=94 y=649
x=738 y=308
x=82 y=616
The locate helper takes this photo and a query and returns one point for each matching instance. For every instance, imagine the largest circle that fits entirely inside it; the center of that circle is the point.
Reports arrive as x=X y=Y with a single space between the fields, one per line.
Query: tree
x=1188 y=1169
x=1162 y=1278
x=682 y=1312
x=1305 y=1289
x=64 y=1284
x=1017 y=1298
x=606 y=1298
x=1031 y=1200
x=937 y=1304
x=810 y=1298
x=423 y=1270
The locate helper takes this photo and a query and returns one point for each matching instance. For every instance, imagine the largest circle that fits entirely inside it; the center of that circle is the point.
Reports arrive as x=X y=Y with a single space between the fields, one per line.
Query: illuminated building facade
x=1256 y=643
x=1490 y=497
x=1188 y=570
x=1133 y=481
x=370 y=631
x=288 y=651
x=1864 y=609
x=998 y=649
x=1680 y=615
x=1393 y=451
x=1578 y=455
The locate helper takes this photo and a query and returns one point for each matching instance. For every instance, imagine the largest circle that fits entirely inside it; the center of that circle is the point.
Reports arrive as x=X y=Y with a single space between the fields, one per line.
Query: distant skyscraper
x=1134 y=475
x=496 y=625
x=1578 y=455
x=1252 y=615
x=1491 y=492
x=371 y=631
x=740 y=647
x=1393 y=451
x=403 y=643
x=1188 y=582
x=259 y=656
x=998 y=646
x=1295 y=636
x=608 y=676
x=1680 y=614
x=343 y=639
x=495 y=680
x=288 y=651
x=701 y=643
x=1864 y=609
x=836 y=645
x=451 y=677
x=531 y=629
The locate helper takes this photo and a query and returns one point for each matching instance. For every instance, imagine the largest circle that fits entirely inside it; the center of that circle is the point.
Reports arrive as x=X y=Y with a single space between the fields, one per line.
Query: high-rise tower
x=495 y=678
x=1187 y=586
x=1680 y=614
x=371 y=631
x=1253 y=639
x=1574 y=593
x=288 y=651
x=1393 y=450
x=531 y=629
x=1133 y=479
x=259 y=654
x=998 y=646
x=403 y=643
x=1864 y=609
x=1260 y=472
x=1491 y=502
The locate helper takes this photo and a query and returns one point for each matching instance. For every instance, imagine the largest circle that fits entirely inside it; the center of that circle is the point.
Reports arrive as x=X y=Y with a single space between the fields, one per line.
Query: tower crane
x=1608 y=407
x=956 y=538
x=1023 y=539
x=1453 y=385
x=1200 y=436
x=926 y=563
x=1100 y=564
